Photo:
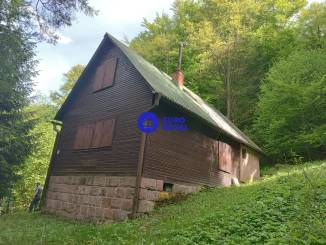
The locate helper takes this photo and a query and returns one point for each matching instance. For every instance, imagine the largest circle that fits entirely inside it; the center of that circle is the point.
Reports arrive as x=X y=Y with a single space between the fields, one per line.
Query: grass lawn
x=288 y=206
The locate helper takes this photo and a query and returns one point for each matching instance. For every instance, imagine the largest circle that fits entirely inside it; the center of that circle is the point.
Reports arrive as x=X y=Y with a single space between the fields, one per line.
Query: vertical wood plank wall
x=124 y=101
x=187 y=156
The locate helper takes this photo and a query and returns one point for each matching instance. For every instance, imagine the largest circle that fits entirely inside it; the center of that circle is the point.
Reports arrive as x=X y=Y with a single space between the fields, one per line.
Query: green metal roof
x=162 y=83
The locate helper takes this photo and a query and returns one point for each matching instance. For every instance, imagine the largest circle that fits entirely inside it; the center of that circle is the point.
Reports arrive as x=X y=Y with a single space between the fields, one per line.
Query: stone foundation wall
x=93 y=198
x=99 y=198
x=151 y=191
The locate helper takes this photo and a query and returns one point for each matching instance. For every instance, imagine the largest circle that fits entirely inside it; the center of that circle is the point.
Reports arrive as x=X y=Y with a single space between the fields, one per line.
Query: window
x=225 y=157
x=95 y=135
x=167 y=187
x=105 y=73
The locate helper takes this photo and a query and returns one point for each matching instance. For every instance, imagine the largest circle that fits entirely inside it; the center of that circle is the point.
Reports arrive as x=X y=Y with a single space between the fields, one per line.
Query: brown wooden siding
x=124 y=101
x=186 y=156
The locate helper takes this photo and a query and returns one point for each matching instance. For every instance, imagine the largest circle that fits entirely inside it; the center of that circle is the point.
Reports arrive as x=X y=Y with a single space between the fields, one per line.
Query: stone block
x=52 y=179
x=120 y=192
x=129 y=192
x=89 y=180
x=127 y=204
x=145 y=206
x=128 y=181
x=95 y=201
x=147 y=183
x=84 y=190
x=102 y=191
x=72 y=198
x=51 y=204
x=109 y=191
x=106 y=202
x=150 y=195
x=83 y=210
x=76 y=210
x=66 y=180
x=63 y=196
x=113 y=181
x=116 y=202
x=73 y=189
x=50 y=195
x=99 y=213
x=108 y=213
x=184 y=189
x=59 y=179
x=119 y=214
x=99 y=181
x=90 y=211
x=95 y=191
x=159 y=185
x=84 y=199
x=82 y=180
x=75 y=180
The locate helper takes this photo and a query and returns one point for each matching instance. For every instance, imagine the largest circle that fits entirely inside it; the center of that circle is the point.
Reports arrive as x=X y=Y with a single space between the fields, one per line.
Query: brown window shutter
x=110 y=67
x=105 y=73
x=225 y=157
x=97 y=134
x=98 y=80
x=103 y=135
x=107 y=136
x=84 y=136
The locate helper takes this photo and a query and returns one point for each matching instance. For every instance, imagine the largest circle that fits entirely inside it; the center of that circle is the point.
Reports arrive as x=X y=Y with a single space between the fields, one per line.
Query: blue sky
x=78 y=42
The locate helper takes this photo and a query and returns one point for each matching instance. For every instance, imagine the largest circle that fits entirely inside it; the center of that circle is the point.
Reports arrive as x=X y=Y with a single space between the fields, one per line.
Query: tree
x=231 y=46
x=40 y=20
x=70 y=78
x=22 y=24
x=36 y=164
x=311 y=26
x=16 y=73
x=291 y=110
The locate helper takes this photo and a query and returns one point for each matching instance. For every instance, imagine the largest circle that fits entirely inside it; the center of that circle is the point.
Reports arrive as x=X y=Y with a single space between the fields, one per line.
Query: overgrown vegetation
x=287 y=207
x=259 y=62
x=22 y=25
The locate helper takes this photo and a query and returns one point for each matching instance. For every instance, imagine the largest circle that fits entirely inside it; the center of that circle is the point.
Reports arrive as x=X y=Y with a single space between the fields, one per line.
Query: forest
x=261 y=63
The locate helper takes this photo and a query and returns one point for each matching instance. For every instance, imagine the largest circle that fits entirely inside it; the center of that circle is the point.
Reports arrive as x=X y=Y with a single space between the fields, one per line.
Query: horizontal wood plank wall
x=124 y=101
x=183 y=156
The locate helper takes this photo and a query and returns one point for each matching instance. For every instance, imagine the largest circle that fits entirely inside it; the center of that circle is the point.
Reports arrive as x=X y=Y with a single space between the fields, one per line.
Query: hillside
x=287 y=206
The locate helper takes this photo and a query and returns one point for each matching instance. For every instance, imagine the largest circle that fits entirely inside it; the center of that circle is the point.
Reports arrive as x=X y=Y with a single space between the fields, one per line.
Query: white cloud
x=78 y=42
x=63 y=39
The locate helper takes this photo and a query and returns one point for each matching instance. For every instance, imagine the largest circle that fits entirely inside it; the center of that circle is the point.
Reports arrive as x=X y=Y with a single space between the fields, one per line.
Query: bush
x=291 y=109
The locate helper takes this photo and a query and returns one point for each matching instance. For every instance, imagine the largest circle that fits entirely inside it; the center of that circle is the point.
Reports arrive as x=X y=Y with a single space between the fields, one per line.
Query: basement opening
x=167 y=187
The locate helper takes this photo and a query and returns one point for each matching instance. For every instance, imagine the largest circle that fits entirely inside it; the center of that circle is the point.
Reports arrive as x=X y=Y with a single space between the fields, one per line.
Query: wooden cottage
x=104 y=167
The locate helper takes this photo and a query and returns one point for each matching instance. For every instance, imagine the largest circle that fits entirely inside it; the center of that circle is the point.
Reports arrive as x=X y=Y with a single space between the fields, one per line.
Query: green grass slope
x=288 y=207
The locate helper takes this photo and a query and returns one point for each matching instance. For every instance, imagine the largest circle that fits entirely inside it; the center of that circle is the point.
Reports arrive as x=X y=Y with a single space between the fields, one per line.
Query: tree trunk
x=228 y=89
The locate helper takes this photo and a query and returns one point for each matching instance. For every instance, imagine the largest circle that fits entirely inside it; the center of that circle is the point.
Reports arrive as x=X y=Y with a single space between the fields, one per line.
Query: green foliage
x=36 y=164
x=40 y=20
x=286 y=208
x=311 y=26
x=291 y=110
x=22 y=24
x=16 y=74
x=70 y=78
x=231 y=42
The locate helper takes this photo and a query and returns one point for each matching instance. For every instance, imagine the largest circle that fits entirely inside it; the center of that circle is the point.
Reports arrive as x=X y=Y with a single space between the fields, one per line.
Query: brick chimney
x=177 y=75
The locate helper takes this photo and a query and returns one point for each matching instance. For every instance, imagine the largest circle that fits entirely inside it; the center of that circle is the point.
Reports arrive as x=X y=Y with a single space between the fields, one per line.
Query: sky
x=77 y=44
x=121 y=18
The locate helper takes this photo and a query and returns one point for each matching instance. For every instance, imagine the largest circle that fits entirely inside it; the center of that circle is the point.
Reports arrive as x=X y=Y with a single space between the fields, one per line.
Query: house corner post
x=53 y=154
x=139 y=174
